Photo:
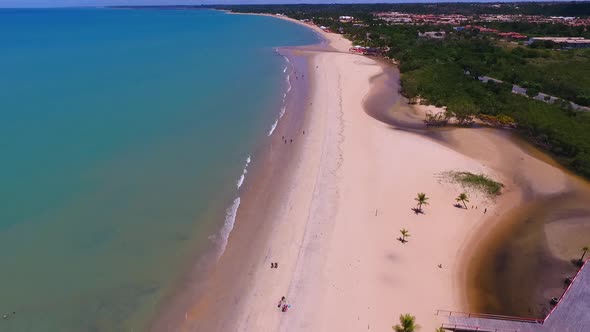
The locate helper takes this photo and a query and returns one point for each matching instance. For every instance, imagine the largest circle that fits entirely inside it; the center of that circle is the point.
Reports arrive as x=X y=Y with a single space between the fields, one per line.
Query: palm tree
x=585 y=249
x=405 y=234
x=440 y=329
x=422 y=200
x=407 y=323
x=462 y=198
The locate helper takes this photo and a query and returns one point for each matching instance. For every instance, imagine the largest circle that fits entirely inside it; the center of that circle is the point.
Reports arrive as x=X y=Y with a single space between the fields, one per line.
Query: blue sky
x=75 y=3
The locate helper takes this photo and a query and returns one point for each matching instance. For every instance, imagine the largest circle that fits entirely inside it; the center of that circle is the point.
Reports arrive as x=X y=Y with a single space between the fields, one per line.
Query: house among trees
x=345 y=19
x=512 y=35
x=563 y=42
x=432 y=34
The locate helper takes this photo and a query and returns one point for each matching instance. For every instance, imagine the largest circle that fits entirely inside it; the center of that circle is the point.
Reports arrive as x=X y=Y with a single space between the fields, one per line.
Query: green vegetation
x=539 y=29
x=330 y=10
x=564 y=74
x=462 y=198
x=585 y=249
x=405 y=233
x=422 y=200
x=498 y=121
x=407 y=323
x=478 y=181
x=444 y=72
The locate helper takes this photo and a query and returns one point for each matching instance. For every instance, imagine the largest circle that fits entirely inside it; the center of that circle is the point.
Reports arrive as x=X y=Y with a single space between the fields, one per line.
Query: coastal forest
x=446 y=71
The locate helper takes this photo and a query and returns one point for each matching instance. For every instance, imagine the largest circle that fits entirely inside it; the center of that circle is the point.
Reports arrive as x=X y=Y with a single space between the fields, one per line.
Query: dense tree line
x=436 y=70
x=444 y=72
x=573 y=8
x=539 y=29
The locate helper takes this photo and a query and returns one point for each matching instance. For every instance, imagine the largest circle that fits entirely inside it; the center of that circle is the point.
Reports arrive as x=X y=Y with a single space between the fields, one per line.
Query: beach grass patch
x=478 y=181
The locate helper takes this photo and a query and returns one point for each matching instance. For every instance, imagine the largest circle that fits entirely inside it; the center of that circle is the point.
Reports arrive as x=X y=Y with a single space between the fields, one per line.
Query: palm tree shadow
x=458 y=206
x=418 y=210
x=402 y=240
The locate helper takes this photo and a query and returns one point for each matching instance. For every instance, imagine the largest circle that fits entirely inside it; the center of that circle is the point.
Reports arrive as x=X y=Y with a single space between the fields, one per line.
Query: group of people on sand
x=283 y=305
x=290 y=140
x=484 y=211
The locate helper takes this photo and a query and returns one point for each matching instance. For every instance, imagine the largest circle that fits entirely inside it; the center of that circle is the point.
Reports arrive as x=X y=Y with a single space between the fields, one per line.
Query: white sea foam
x=288 y=83
x=273 y=127
x=240 y=181
x=232 y=211
x=244 y=172
x=283 y=109
x=228 y=225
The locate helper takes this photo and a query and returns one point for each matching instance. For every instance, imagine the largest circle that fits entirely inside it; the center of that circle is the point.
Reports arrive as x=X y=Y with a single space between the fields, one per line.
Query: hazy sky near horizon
x=78 y=3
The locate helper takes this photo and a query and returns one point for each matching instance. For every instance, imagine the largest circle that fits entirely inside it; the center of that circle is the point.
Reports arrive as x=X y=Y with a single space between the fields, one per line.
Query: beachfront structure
x=432 y=34
x=419 y=19
x=345 y=19
x=571 y=313
x=566 y=42
x=481 y=28
x=506 y=35
x=512 y=35
x=367 y=50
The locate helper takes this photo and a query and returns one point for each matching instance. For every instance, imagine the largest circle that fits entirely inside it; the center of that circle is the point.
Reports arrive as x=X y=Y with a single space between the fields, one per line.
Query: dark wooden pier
x=571 y=314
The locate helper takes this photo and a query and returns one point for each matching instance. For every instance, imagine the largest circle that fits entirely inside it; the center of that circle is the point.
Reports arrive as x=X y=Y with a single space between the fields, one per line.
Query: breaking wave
x=283 y=109
x=244 y=172
x=273 y=127
x=228 y=225
x=232 y=211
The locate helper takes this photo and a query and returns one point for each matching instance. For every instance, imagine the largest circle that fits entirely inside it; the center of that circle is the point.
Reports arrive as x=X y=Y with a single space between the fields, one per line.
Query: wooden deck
x=571 y=314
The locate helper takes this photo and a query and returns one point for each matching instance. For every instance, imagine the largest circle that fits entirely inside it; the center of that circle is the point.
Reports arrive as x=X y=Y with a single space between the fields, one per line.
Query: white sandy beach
x=340 y=265
x=335 y=232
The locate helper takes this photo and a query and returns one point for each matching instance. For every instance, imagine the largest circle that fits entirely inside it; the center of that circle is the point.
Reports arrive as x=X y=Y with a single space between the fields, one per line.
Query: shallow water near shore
x=522 y=263
x=126 y=136
x=205 y=302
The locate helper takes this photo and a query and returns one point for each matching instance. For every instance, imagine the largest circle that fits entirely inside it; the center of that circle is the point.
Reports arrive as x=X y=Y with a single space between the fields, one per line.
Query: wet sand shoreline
x=201 y=302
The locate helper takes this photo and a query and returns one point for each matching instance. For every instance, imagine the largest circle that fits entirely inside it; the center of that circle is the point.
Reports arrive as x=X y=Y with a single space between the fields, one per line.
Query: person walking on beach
x=281 y=302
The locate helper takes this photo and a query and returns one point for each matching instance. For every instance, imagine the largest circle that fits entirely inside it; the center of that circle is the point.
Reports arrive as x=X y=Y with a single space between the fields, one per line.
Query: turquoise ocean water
x=123 y=135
